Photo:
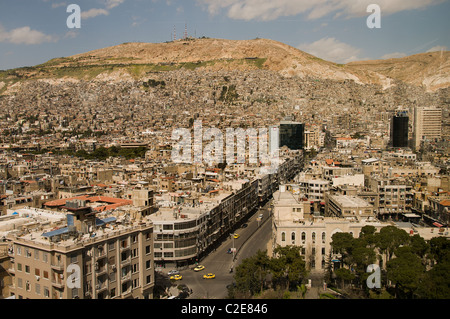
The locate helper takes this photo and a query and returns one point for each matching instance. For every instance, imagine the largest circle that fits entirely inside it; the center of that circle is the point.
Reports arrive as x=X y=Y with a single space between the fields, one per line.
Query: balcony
x=58 y=283
x=57 y=267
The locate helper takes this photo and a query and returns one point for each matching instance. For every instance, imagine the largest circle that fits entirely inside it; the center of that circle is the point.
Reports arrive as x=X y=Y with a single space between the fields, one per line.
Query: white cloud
x=394 y=55
x=438 y=48
x=92 y=13
x=332 y=50
x=113 y=3
x=25 y=35
x=272 y=9
x=71 y=34
x=95 y=12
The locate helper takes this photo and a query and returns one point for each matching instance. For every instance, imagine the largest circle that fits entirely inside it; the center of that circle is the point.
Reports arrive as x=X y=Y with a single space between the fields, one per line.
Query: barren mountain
x=136 y=60
x=431 y=70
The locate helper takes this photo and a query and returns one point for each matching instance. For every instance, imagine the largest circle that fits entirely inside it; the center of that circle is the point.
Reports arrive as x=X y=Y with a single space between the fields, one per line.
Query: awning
x=437 y=224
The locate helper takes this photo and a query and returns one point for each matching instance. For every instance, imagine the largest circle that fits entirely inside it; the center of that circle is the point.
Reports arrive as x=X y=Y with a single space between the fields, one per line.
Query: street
x=255 y=236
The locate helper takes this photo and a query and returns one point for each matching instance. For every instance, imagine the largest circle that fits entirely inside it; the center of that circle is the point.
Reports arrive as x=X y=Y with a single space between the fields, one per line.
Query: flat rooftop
x=349 y=201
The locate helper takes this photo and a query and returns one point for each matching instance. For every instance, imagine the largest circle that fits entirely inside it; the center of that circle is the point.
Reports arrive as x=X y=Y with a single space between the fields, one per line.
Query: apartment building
x=348 y=206
x=108 y=258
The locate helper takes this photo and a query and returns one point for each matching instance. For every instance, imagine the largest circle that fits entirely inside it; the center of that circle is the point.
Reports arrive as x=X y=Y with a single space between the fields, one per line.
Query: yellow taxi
x=209 y=276
x=176 y=277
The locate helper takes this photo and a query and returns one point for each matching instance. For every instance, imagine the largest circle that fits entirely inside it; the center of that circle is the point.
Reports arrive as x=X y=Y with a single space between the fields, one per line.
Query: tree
x=344 y=276
x=251 y=273
x=288 y=267
x=405 y=271
x=342 y=244
x=390 y=238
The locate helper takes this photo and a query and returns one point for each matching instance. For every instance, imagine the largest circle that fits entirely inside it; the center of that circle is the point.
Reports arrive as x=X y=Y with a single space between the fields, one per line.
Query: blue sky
x=35 y=31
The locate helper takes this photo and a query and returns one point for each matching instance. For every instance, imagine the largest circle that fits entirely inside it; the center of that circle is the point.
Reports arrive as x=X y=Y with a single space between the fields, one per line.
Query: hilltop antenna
x=174 y=33
x=185 y=32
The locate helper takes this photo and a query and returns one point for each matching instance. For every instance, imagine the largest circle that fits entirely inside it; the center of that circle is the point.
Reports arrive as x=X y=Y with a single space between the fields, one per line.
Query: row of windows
x=29 y=252
x=303 y=236
x=37 y=287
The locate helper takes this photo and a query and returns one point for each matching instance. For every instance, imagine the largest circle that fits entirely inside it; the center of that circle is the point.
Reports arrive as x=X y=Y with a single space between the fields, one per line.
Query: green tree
x=288 y=267
x=390 y=238
x=405 y=271
x=344 y=276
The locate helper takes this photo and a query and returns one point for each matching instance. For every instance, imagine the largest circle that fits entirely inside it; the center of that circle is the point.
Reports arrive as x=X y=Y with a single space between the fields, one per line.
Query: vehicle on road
x=176 y=277
x=261 y=216
x=209 y=276
x=236 y=236
x=229 y=251
x=173 y=272
x=199 y=268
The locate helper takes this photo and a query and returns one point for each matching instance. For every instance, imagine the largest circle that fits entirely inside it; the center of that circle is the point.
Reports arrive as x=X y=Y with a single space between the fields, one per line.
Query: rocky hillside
x=430 y=70
x=134 y=61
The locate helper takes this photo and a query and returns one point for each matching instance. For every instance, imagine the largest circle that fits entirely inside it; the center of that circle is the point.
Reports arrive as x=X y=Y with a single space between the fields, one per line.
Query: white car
x=173 y=272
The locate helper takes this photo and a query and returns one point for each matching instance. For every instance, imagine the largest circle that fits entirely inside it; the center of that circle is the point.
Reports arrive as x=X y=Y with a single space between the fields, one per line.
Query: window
x=45 y=257
x=27 y=269
x=303 y=236
x=148 y=279
x=314 y=237
x=112 y=276
x=38 y=289
x=45 y=274
x=283 y=236
x=323 y=237
x=46 y=292
x=147 y=250
x=148 y=264
x=37 y=272
x=18 y=250
x=19 y=267
x=36 y=254
x=293 y=236
x=19 y=283
x=27 y=286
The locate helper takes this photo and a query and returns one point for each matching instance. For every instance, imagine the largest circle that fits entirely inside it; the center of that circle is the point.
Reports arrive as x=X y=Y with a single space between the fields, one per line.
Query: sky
x=35 y=31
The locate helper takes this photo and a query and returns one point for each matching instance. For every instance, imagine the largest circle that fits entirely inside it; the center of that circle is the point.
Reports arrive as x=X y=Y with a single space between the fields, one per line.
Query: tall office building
x=399 y=130
x=292 y=135
x=427 y=124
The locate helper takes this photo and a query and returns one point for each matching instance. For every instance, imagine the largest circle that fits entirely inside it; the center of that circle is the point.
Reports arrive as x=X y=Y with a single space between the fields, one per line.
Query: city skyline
x=33 y=32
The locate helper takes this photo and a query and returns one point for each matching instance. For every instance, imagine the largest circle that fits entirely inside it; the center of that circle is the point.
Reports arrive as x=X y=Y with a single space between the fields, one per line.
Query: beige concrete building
x=293 y=225
x=107 y=258
x=348 y=206
x=427 y=124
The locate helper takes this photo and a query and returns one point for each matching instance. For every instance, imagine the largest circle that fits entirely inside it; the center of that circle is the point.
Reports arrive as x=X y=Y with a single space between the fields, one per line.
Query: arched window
x=303 y=236
x=283 y=236
x=293 y=236
x=323 y=237
x=314 y=237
